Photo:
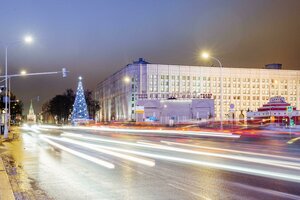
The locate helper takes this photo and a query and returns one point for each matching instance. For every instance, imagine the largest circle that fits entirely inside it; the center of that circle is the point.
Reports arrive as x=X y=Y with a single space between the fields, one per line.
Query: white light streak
x=146 y=162
x=263 y=161
x=173 y=132
x=230 y=150
x=278 y=163
x=79 y=154
x=248 y=170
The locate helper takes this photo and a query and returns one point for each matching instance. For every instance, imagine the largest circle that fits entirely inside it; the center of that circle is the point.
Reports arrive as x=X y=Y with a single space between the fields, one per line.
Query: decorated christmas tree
x=80 y=112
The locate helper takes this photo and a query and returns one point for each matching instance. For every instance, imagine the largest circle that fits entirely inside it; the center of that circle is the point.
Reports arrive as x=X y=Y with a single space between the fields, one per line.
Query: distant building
x=183 y=110
x=245 y=88
x=31 y=117
x=275 y=111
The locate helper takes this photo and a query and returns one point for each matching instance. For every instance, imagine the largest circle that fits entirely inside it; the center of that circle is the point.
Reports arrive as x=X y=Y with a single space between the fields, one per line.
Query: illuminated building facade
x=245 y=88
x=276 y=110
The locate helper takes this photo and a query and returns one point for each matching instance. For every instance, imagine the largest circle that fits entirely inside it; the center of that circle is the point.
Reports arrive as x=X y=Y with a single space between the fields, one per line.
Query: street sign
x=231 y=107
x=139 y=109
x=5 y=99
x=289 y=109
x=292 y=123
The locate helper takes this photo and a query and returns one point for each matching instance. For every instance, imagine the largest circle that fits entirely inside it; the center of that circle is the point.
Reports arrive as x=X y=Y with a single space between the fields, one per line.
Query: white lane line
x=177 y=187
x=230 y=150
x=193 y=193
x=130 y=168
x=78 y=154
x=265 y=191
x=142 y=161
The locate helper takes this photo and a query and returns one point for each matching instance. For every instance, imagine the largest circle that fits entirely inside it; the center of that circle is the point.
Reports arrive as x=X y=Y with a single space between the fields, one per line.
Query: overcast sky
x=95 y=38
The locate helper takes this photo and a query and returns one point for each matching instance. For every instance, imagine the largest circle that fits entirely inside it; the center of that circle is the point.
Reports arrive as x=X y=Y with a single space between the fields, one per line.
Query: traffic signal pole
x=6 y=77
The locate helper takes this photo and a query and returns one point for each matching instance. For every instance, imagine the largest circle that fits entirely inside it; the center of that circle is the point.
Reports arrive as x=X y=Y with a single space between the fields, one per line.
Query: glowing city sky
x=95 y=38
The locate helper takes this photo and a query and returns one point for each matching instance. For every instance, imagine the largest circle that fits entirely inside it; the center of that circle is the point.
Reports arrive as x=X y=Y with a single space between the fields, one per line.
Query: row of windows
x=283 y=87
x=225 y=91
x=254 y=80
x=245 y=98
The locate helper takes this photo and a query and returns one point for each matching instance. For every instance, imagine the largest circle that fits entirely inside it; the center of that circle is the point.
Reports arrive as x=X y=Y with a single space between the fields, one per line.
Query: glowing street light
x=23 y=72
x=27 y=39
x=126 y=79
x=206 y=55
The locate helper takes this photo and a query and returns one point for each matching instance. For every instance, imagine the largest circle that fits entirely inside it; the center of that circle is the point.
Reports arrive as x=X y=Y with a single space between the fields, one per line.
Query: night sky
x=95 y=38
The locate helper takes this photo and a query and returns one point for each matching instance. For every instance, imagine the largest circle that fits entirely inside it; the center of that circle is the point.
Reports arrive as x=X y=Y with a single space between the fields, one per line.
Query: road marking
x=177 y=187
x=193 y=193
x=266 y=191
x=293 y=140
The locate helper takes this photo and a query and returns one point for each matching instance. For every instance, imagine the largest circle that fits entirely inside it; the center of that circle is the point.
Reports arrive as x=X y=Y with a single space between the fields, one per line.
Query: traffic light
x=64 y=72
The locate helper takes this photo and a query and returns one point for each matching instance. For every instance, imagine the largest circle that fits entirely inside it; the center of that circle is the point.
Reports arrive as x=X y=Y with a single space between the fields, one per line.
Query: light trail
x=30 y=128
x=230 y=150
x=146 y=162
x=175 y=132
x=293 y=140
x=78 y=154
x=248 y=170
x=74 y=135
x=277 y=163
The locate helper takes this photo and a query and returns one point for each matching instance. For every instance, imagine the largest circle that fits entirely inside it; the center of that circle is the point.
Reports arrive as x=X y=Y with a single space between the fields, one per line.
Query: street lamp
x=28 y=40
x=126 y=79
x=206 y=55
x=23 y=72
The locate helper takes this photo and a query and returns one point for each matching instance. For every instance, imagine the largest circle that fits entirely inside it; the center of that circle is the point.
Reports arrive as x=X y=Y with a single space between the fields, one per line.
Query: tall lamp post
x=28 y=40
x=206 y=55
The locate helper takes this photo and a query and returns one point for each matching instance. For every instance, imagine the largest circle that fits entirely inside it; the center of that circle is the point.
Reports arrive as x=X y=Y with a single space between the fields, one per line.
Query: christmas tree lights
x=80 y=112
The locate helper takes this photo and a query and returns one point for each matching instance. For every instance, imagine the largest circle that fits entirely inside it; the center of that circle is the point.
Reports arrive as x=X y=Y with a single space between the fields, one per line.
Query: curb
x=6 y=192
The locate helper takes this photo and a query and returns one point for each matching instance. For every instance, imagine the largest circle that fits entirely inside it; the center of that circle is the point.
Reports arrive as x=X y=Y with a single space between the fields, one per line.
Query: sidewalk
x=6 y=192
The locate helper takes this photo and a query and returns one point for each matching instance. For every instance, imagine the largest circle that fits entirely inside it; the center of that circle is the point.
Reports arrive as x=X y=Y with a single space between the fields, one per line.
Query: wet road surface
x=99 y=164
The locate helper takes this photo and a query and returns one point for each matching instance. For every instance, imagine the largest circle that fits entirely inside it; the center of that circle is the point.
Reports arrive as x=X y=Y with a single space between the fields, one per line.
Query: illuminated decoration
x=277 y=110
x=80 y=112
x=31 y=117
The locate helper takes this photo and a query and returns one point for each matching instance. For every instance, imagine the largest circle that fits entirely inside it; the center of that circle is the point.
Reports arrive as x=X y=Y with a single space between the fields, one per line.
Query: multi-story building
x=245 y=88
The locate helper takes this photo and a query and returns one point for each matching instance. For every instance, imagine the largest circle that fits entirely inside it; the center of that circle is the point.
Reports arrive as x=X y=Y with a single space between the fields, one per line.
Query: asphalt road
x=104 y=164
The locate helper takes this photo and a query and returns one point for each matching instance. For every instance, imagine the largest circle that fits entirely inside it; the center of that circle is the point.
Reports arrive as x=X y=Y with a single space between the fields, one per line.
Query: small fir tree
x=80 y=112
